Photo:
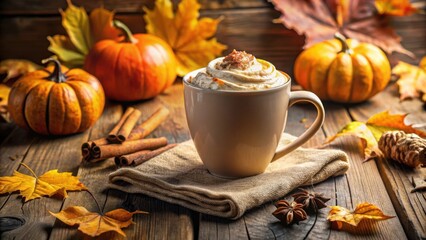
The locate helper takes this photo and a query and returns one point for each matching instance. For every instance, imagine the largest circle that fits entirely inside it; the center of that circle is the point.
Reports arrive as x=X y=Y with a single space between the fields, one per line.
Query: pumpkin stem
x=128 y=36
x=56 y=75
x=342 y=39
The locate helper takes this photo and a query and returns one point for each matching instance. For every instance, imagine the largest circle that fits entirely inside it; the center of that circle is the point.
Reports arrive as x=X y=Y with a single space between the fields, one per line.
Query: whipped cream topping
x=239 y=71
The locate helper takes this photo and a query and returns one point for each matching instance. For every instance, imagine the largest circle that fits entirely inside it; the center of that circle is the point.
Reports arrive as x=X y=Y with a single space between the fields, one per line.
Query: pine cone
x=408 y=149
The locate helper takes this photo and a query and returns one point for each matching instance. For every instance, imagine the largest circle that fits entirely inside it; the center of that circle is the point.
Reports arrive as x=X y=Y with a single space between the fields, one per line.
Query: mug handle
x=303 y=96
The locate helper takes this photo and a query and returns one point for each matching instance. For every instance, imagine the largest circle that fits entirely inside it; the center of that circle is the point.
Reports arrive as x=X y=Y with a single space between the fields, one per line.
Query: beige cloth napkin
x=179 y=177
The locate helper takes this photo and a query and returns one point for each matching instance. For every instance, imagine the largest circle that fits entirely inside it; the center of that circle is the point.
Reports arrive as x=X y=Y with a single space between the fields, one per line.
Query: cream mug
x=236 y=133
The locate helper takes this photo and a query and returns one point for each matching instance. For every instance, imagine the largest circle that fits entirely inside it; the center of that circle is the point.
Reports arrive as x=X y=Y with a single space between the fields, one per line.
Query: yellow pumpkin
x=56 y=100
x=343 y=70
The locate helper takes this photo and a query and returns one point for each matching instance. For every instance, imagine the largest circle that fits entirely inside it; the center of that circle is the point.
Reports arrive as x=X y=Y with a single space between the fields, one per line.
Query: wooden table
x=247 y=25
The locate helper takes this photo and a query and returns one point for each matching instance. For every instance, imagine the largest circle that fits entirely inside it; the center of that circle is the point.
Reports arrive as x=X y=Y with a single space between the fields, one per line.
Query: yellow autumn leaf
x=76 y=24
x=395 y=7
x=49 y=184
x=82 y=32
x=4 y=96
x=94 y=224
x=412 y=79
x=191 y=39
x=362 y=211
x=65 y=50
x=371 y=131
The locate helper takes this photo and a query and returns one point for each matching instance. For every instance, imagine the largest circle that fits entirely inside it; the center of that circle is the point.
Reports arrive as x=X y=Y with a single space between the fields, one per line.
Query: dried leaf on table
x=395 y=7
x=4 y=96
x=320 y=20
x=362 y=211
x=191 y=39
x=412 y=80
x=49 y=184
x=94 y=224
x=83 y=31
x=371 y=131
x=12 y=69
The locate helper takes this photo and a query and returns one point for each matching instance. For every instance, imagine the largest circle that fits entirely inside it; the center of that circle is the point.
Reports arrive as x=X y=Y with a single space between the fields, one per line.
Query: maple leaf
x=4 y=96
x=371 y=131
x=12 y=69
x=49 y=184
x=412 y=80
x=395 y=7
x=362 y=211
x=320 y=20
x=83 y=31
x=190 y=38
x=94 y=224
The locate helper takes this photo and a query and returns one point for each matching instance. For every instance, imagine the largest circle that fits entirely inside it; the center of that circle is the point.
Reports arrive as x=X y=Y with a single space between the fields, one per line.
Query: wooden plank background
x=247 y=25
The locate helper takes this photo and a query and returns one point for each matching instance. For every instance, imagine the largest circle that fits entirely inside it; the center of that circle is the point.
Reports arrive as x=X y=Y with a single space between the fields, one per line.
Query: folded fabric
x=178 y=176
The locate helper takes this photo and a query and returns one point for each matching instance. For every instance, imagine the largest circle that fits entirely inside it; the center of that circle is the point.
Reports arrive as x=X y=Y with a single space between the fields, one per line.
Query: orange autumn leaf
x=49 y=184
x=371 y=131
x=395 y=7
x=94 y=224
x=362 y=211
x=412 y=80
x=191 y=39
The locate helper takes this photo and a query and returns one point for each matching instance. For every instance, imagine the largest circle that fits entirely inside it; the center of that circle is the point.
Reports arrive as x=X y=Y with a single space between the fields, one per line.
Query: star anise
x=289 y=213
x=311 y=201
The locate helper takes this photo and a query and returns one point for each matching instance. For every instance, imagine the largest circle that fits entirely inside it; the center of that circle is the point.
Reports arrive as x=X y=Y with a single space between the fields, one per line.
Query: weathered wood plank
x=397 y=178
x=94 y=176
x=37 y=7
x=165 y=220
x=45 y=153
x=261 y=224
x=162 y=216
x=13 y=150
x=24 y=37
x=363 y=183
x=246 y=29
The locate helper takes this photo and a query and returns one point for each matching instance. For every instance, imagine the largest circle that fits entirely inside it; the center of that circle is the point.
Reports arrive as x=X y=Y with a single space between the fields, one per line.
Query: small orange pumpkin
x=343 y=70
x=50 y=101
x=140 y=67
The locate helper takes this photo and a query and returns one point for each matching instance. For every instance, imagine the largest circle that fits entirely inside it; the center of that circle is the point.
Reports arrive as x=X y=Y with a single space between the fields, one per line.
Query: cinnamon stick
x=150 y=124
x=137 y=158
x=123 y=128
x=86 y=148
x=112 y=150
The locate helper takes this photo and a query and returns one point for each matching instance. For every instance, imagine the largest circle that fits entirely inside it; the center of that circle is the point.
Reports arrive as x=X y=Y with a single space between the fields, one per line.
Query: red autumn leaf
x=320 y=20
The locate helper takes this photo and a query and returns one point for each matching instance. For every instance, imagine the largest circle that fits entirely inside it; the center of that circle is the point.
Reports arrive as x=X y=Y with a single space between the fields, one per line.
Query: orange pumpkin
x=50 y=101
x=140 y=67
x=343 y=70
